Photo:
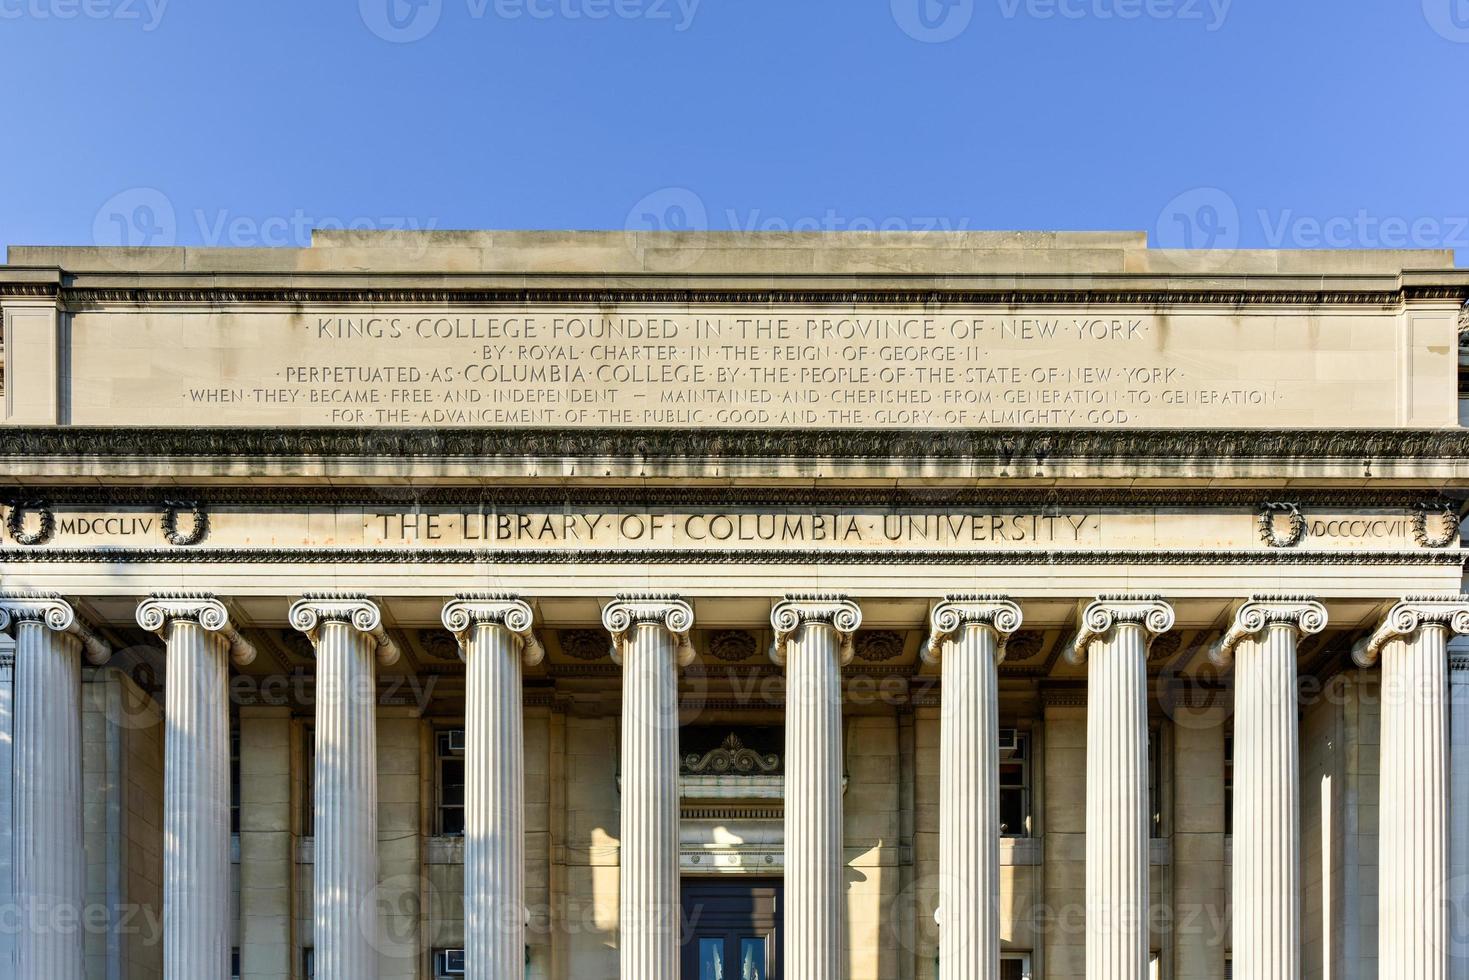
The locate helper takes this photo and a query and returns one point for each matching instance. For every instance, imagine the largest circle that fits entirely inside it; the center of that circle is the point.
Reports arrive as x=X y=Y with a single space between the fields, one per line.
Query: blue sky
x=1251 y=122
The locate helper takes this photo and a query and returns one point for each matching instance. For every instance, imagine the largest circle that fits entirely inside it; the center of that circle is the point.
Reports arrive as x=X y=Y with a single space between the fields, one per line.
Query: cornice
x=985 y=446
x=935 y=497
x=1454 y=557
x=1000 y=290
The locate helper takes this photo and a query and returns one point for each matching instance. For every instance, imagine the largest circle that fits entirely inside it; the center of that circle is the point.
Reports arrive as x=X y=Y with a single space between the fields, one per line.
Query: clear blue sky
x=208 y=122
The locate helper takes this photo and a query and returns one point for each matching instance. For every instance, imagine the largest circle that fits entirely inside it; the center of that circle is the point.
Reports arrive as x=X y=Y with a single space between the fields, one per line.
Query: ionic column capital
x=1303 y=613
x=56 y=614
x=361 y=613
x=504 y=609
x=796 y=611
x=1449 y=612
x=631 y=609
x=981 y=611
x=1150 y=612
x=160 y=609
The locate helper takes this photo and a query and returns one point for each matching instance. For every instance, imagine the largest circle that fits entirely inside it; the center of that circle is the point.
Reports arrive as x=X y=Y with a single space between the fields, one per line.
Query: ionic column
x=813 y=641
x=1266 y=875
x=1412 y=853
x=1113 y=641
x=196 y=779
x=968 y=641
x=47 y=837
x=347 y=634
x=495 y=639
x=650 y=639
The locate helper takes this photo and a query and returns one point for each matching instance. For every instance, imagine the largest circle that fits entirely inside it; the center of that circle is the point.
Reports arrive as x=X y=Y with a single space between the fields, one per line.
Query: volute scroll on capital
x=57 y=615
x=1449 y=612
x=156 y=612
x=361 y=613
x=797 y=611
x=468 y=610
x=1150 y=612
x=1303 y=613
x=999 y=613
x=629 y=610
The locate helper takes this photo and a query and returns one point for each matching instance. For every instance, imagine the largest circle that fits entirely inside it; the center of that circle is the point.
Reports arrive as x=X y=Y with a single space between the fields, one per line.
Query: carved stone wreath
x=732 y=646
x=875 y=646
x=1271 y=535
x=170 y=523
x=15 y=522
x=1449 y=525
x=585 y=645
x=732 y=758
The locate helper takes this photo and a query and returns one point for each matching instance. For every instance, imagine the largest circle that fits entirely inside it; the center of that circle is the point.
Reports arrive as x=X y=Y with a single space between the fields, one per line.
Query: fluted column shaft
x=7 y=799
x=1114 y=639
x=1413 y=820
x=48 y=842
x=495 y=638
x=1266 y=874
x=1267 y=809
x=345 y=870
x=813 y=640
x=968 y=640
x=650 y=639
x=1412 y=643
x=650 y=896
x=196 y=799
x=348 y=638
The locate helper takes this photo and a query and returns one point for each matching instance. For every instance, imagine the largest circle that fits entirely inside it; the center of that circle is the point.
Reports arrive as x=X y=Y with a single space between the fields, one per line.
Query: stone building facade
x=590 y=605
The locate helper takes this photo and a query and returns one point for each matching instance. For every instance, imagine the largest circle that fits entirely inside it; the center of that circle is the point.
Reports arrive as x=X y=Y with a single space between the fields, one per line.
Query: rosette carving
x=1302 y=613
x=1448 y=612
x=361 y=613
x=630 y=610
x=998 y=613
x=57 y=615
x=797 y=611
x=506 y=610
x=156 y=612
x=1149 y=612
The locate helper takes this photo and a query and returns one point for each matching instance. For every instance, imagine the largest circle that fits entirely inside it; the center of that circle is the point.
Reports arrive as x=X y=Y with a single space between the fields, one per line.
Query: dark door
x=731 y=929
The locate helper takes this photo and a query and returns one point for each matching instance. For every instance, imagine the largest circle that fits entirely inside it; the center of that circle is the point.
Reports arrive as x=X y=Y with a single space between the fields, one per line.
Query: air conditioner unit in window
x=456 y=739
x=1009 y=742
x=451 y=963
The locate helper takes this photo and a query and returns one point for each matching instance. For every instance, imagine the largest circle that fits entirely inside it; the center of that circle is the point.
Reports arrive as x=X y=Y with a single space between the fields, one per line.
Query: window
x=449 y=755
x=1229 y=782
x=1155 y=783
x=308 y=780
x=235 y=779
x=1014 y=966
x=1014 y=783
x=448 y=963
x=235 y=963
x=308 y=963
